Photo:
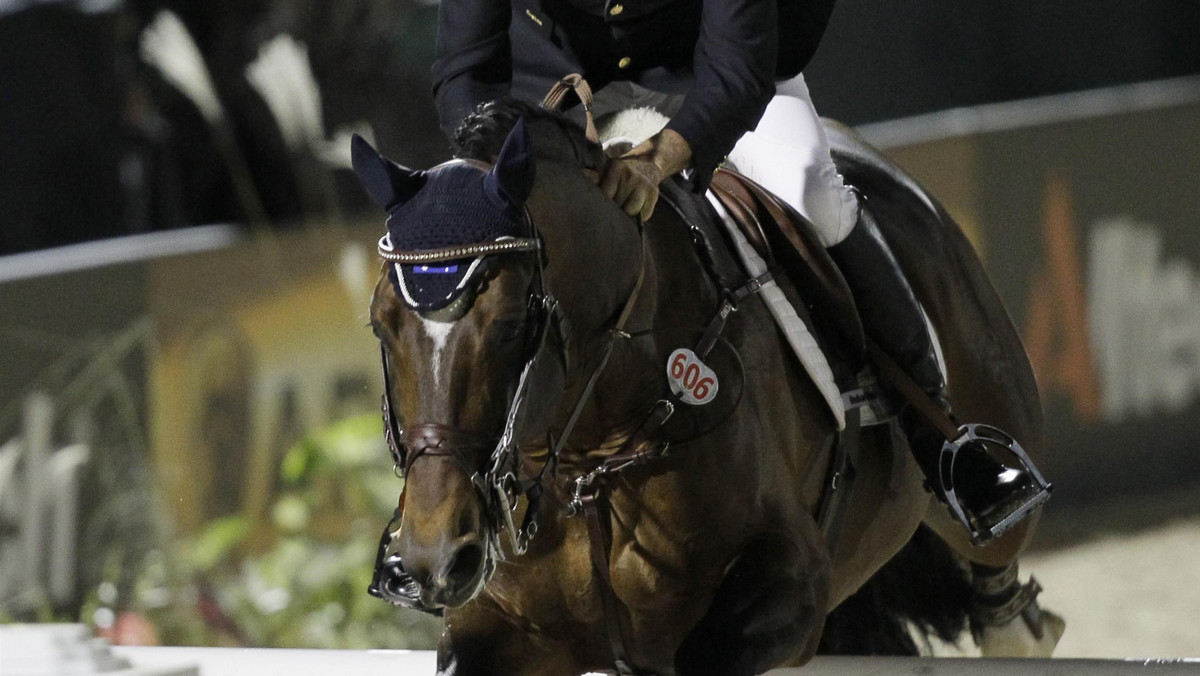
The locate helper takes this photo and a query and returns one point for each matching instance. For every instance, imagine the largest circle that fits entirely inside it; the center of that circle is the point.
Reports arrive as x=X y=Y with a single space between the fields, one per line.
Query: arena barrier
x=255 y=661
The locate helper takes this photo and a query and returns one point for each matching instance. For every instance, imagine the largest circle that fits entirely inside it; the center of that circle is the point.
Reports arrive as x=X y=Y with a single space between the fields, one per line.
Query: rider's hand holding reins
x=632 y=179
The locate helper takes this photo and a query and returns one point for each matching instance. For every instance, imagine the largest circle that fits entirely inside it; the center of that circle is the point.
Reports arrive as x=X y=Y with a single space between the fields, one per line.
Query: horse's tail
x=923 y=593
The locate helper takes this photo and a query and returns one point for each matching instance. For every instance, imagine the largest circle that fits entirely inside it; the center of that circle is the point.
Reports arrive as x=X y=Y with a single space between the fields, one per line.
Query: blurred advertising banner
x=1085 y=210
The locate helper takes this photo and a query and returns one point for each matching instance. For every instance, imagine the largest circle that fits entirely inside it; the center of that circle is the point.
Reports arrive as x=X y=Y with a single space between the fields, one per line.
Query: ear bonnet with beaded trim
x=454 y=205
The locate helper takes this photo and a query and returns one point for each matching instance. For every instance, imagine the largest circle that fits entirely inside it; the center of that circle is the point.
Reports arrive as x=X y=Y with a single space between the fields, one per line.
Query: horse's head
x=462 y=317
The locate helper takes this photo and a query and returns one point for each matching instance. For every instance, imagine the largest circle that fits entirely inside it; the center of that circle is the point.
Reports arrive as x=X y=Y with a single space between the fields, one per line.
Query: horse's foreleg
x=1006 y=619
x=767 y=612
x=478 y=644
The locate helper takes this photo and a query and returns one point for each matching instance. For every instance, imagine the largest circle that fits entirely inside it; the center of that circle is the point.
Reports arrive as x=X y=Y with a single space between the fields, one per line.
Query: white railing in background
x=115 y=251
x=70 y=649
x=1025 y=113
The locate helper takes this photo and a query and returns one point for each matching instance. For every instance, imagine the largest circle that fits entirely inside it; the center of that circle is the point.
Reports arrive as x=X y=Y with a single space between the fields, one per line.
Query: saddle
x=779 y=234
x=761 y=236
x=786 y=240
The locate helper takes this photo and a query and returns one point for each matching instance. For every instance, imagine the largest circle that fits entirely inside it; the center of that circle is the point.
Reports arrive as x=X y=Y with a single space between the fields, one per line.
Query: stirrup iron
x=984 y=529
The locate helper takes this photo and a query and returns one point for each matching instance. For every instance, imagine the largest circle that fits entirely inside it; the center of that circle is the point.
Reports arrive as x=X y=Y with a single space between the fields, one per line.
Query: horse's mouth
x=396 y=586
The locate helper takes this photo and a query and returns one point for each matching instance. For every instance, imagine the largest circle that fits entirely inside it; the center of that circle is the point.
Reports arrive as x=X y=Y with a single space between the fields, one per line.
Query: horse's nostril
x=464 y=567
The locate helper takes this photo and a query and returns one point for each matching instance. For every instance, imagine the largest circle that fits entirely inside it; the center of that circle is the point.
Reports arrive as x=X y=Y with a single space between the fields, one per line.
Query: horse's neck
x=674 y=292
x=681 y=293
x=592 y=250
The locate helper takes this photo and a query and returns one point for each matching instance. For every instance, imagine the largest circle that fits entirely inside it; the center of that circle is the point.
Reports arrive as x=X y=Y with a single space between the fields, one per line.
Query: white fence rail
x=47 y=649
x=252 y=662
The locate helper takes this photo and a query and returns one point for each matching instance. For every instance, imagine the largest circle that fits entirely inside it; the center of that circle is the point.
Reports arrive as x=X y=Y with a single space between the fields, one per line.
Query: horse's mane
x=554 y=135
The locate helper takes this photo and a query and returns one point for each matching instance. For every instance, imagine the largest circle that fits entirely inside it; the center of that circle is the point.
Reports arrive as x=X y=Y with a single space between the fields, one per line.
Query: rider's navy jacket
x=725 y=55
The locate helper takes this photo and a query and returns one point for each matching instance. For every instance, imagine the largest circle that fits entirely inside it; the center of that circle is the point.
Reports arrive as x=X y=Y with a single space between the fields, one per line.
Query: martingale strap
x=600 y=542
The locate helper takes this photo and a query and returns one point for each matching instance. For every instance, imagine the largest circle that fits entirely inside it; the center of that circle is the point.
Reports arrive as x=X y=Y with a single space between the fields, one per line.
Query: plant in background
x=307 y=587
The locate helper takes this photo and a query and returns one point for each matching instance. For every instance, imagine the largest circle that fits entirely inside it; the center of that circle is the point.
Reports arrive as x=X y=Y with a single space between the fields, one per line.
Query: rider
x=730 y=81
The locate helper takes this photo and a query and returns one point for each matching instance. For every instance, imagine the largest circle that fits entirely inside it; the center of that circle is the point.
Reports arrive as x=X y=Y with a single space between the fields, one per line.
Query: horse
x=525 y=323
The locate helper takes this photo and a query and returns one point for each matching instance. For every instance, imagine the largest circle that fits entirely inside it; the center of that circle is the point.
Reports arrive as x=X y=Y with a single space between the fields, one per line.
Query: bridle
x=498 y=484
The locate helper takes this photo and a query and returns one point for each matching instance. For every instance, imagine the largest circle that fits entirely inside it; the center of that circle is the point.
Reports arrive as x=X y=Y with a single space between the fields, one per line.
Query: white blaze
x=439 y=333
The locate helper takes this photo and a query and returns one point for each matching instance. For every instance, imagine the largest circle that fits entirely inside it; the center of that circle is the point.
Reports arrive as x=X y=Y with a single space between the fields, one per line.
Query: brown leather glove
x=631 y=180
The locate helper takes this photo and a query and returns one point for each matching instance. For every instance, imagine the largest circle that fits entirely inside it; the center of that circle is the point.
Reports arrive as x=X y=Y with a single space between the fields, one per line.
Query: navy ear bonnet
x=454 y=208
x=456 y=204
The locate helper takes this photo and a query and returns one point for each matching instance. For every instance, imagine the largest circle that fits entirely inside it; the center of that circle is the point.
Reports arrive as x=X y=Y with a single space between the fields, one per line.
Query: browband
x=450 y=253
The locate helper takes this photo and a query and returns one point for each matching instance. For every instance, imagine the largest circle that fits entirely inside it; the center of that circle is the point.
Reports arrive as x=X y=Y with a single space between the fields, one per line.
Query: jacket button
x=624 y=62
x=616 y=9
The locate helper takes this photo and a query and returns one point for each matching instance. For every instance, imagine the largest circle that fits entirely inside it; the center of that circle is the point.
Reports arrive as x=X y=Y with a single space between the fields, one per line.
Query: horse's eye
x=507 y=332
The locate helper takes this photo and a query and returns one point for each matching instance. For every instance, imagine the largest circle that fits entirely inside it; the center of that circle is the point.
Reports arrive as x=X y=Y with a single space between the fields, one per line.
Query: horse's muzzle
x=444 y=577
x=391 y=582
x=449 y=573
x=397 y=587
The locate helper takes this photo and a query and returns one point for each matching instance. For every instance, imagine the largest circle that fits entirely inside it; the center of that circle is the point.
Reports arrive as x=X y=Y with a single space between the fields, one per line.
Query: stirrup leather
x=984 y=529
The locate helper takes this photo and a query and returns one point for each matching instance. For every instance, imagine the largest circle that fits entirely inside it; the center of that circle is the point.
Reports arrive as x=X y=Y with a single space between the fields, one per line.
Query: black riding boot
x=988 y=491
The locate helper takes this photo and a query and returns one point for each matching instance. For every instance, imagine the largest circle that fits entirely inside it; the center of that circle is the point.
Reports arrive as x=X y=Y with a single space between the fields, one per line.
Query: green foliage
x=307 y=587
x=218 y=540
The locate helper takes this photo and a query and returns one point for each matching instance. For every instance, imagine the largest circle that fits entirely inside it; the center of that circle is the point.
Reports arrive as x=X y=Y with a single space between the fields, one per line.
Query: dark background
x=882 y=60
x=96 y=144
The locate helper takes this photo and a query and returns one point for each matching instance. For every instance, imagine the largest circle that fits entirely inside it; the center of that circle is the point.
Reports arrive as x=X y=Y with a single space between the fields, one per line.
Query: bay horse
x=508 y=280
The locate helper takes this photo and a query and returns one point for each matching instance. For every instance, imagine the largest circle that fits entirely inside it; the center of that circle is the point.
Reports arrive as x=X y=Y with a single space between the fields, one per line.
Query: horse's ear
x=514 y=170
x=388 y=183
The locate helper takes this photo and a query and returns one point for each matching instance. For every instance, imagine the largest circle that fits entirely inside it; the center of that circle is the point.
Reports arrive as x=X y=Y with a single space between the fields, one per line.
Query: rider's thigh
x=788 y=154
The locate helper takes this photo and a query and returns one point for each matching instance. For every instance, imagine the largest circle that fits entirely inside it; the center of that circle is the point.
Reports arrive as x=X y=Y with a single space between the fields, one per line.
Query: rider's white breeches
x=788 y=154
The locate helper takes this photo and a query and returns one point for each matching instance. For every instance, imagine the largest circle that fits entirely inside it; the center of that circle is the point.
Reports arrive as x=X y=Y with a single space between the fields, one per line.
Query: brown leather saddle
x=786 y=241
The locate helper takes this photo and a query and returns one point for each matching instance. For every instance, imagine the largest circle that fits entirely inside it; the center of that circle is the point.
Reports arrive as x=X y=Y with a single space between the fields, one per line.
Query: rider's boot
x=988 y=491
